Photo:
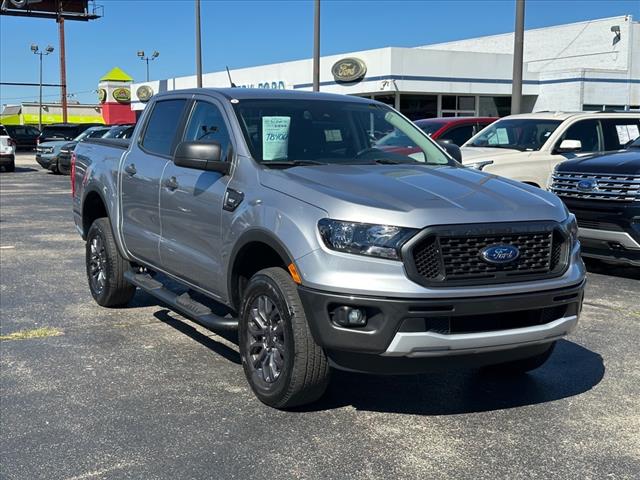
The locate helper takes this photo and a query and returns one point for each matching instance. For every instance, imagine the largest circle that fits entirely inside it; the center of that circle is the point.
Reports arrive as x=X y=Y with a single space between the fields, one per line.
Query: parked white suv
x=527 y=147
x=7 y=150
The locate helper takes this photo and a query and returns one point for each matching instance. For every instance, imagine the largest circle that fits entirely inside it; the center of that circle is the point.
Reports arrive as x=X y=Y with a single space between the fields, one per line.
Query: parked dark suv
x=25 y=136
x=603 y=192
x=63 y=131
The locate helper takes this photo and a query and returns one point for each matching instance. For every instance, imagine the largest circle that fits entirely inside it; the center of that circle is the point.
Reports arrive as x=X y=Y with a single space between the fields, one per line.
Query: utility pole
x=518 y=45
x=198 y=46
x=36 y=50
x=63 y=69
x=316 y=47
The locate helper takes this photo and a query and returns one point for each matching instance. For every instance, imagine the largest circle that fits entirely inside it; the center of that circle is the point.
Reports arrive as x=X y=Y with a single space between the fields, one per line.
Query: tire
x=102 y=257
x=523 y=365
x=11 y=167
x=303 y=368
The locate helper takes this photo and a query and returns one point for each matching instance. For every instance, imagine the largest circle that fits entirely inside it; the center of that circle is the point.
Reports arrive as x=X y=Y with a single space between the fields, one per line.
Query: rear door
x=140 y=179
x=191 y=204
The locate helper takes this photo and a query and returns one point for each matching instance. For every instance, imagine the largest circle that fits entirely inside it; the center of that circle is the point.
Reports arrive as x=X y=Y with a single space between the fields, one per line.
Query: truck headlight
x=571 y=226
x=382 y=241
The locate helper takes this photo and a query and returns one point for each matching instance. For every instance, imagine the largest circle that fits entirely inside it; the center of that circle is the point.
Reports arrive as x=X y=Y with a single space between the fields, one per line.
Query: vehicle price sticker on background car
x=275 y=138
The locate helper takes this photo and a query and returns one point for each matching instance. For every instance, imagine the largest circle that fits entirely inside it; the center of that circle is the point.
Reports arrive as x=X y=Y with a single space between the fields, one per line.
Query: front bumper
x=608 y=230
x=46 y=160
x=479 y=330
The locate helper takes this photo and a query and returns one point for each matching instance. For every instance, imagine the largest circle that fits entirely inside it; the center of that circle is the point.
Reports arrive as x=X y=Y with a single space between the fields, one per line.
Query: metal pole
x=40 y=110
x=316 y=47
x=198 y=46
x=147 y=59
x=518 y=44
x=63 y=69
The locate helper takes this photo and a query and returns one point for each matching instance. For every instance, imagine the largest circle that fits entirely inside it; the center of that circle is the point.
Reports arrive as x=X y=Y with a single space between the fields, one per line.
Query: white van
x=527 y=147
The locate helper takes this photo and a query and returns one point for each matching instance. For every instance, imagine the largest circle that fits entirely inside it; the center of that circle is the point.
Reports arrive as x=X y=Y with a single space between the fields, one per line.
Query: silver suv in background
x=280 y=219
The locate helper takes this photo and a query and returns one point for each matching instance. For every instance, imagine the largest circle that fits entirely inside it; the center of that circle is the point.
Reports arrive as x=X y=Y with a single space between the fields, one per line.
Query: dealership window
x=417 y=107
x=494 y=106
x=598 y=108
x=458 y=106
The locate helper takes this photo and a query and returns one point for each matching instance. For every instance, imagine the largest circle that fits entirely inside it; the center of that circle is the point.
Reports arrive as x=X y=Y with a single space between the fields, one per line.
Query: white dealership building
x=580 y=66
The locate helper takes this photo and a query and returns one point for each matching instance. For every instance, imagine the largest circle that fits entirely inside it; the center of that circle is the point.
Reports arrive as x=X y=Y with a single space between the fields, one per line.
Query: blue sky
x=247 y=33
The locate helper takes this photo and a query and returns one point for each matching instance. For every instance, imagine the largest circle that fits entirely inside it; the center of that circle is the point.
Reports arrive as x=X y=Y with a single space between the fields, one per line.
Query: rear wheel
x=106 y=267
x=523 y=365
x=282 y=362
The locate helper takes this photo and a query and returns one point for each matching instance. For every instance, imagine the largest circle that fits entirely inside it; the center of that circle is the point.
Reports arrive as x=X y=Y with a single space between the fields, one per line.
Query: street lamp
x=153 y=56
x=36 y=50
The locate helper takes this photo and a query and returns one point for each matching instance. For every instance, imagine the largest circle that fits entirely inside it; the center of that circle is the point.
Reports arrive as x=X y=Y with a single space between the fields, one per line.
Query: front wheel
x=106 y=267
x=282 y=362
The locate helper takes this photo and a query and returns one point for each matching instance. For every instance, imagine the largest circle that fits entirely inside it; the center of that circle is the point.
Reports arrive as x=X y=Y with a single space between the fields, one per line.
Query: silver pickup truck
x=278 y=215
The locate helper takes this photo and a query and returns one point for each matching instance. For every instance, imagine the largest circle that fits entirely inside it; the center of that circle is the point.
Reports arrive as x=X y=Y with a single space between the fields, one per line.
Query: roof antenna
x=233 y=85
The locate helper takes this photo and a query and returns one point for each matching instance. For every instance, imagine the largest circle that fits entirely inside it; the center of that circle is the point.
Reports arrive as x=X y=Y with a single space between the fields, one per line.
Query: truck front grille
x=617 y=188
x=446 y=256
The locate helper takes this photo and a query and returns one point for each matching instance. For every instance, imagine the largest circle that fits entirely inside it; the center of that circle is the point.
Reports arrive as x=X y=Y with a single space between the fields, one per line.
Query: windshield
x=321 y=132
x=430 y=127
x=635 y=143
x=516 y=134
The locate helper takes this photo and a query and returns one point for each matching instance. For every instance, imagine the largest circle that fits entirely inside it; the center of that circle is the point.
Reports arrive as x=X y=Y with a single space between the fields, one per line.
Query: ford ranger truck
x=272 y=213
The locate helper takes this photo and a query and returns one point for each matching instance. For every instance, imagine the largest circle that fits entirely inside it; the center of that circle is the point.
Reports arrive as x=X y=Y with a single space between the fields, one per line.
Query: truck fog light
x=346 y=316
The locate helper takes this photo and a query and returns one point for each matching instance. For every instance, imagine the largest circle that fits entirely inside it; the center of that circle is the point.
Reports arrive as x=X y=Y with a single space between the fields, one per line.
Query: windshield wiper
x=291 y=163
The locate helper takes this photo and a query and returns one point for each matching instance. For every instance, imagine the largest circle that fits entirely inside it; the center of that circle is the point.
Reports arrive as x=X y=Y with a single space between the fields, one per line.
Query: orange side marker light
x=294 y=274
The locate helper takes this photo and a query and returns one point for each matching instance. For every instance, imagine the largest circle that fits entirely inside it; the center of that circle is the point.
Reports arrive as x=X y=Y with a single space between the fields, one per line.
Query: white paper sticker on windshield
x=275 y=138
x=333 y=135
x=634 y=131
x=503 y=136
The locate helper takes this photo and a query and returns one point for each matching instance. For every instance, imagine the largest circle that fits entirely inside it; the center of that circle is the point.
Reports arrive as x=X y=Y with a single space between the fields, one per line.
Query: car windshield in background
x=331 y=132
x=53 y=132
x=635 y=143
x=516 y=134
x=430 y=127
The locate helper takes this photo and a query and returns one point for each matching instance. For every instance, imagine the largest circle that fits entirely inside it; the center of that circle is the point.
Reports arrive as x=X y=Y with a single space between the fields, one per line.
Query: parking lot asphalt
x=141 y=392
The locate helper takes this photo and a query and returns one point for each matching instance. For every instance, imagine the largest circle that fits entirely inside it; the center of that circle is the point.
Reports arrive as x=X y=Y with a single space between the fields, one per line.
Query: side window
x=458 y=135
x=617 y=132
x=587 y=131
x=162 y=126
x=34 y=131
x=206 y=124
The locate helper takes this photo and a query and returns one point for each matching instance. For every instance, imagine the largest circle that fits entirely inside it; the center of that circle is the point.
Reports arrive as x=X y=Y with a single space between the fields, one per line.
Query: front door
x=140 y=178
x=191 y=205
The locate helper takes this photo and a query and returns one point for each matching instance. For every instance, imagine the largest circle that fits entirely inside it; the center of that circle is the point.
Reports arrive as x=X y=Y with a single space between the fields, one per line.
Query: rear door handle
x=171 y=183
x=131 y=169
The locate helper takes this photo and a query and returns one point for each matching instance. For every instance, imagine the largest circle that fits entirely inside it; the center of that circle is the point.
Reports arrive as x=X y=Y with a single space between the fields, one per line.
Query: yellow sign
x=121 y=95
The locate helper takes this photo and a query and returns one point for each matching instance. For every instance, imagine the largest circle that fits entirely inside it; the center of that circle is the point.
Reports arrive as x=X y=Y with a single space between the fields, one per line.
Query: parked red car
x=455 y=130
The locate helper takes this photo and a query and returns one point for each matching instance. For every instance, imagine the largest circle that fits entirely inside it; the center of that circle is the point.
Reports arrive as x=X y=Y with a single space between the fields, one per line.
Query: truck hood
x=473 y=154
x=414 y=195
x=625 y=162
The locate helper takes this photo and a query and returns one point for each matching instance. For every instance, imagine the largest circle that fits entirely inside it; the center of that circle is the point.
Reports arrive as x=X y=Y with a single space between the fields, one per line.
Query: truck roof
x=565 y=115
x=266 y=93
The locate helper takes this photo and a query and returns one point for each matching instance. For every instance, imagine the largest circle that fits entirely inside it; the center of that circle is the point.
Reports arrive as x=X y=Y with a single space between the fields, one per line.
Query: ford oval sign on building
x=499 y=254
x=144 y=93
x=349 y=70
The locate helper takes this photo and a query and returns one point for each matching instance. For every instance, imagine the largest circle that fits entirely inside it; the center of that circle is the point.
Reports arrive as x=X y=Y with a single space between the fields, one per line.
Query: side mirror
x=200 y=156
x=451 y=148
x=569 y=146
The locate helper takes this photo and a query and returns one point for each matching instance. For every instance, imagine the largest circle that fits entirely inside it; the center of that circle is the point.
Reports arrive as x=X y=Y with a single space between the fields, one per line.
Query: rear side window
x=162 y=126
x=458 y=135
x=587 y=131
x=619 y=132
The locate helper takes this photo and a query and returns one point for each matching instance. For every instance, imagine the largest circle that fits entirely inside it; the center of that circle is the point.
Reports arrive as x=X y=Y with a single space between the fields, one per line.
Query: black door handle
x=171 y=183
x=131 y=169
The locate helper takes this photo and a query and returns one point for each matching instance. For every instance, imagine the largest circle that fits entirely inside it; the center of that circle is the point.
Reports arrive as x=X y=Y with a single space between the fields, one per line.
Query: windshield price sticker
x=275 y=138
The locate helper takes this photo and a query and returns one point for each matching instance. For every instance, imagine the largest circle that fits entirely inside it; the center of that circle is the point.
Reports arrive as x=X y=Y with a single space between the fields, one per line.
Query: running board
x=186 y=305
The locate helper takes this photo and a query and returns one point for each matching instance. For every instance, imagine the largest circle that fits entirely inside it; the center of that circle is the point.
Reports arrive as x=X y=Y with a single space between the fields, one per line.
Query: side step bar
x=186 y=305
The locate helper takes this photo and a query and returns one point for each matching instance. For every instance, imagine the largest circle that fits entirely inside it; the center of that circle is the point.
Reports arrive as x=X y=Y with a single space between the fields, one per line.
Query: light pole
x=518 y=46
x=198 y=47
x=316 y=46
x=141 y=56
x=36 y=50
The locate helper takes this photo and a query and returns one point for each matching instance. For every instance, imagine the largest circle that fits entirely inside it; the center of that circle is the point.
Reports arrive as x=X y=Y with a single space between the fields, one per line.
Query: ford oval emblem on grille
x=587 y=185
x=499 y=253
